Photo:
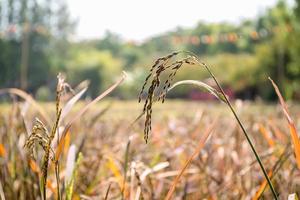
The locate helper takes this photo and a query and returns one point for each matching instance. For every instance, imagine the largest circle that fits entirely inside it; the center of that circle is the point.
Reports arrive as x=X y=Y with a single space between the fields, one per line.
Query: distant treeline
x=34 y=47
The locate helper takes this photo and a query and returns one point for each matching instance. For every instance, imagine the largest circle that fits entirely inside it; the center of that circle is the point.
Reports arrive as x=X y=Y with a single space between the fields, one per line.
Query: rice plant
x=165 y=64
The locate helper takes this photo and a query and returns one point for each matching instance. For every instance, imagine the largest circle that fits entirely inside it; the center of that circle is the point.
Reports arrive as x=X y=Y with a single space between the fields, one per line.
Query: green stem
x=244 y=131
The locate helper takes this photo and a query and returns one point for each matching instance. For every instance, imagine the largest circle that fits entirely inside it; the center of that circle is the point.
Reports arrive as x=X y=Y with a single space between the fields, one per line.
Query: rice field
x=117 y=164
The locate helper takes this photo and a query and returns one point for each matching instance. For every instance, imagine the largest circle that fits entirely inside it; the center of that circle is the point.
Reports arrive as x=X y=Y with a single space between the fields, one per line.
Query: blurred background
x=243 y=42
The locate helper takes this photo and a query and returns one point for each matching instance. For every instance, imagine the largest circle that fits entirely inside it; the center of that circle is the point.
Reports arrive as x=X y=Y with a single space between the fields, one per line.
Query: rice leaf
x=202 y=85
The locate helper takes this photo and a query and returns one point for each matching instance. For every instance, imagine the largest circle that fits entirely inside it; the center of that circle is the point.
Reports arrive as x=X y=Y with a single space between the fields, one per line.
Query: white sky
x=140 y=19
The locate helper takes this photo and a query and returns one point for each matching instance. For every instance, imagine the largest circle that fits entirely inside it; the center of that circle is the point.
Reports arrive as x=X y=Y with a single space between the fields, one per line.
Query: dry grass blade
x=29 y=99
x=292 y=126
x=202 y=85
x=67 y=108
x=82 y=111
x=188 y=162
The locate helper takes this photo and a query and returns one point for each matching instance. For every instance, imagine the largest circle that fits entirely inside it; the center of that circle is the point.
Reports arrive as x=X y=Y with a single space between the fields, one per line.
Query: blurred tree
x=294 y=47
x=273 y=54
x=28 y=28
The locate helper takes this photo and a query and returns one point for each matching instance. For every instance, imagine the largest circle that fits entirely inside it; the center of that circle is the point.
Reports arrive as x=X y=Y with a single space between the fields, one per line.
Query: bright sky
x=141 y=19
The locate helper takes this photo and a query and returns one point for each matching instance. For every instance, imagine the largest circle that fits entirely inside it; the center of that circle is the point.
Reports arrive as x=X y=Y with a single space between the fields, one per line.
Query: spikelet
x=39 y=135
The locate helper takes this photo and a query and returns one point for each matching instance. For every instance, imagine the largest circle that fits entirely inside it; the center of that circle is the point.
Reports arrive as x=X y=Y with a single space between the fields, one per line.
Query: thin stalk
x=107 y=192
x=47 y=156
x=244 y=131
x=57 y=168
x=57 y=179
x=125 y=167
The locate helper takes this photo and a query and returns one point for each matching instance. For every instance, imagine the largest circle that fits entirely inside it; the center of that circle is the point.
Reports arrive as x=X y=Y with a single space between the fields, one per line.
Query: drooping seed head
x=161 y=66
